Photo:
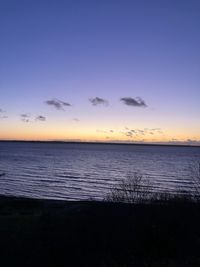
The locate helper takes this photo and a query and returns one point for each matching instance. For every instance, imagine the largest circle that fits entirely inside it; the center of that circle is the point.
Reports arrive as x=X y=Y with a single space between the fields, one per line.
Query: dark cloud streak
x=76 y=120
x=3 y=117
x=25 y=117
x=58 y=104
x=134 y=102
x=98 y=101
x=40 y=118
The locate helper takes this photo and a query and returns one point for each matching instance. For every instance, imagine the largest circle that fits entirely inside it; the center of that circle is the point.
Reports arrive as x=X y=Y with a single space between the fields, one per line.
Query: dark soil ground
x=62 y=233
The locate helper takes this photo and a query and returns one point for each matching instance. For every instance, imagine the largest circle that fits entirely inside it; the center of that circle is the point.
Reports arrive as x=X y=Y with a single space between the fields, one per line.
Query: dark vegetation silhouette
x=136 y=188
x=194 y=169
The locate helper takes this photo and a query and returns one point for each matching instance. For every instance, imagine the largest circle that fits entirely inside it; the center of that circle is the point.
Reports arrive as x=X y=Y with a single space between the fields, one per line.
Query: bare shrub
x=183 y=195
x=135 y=189
x=175 y=197
x=195 y=179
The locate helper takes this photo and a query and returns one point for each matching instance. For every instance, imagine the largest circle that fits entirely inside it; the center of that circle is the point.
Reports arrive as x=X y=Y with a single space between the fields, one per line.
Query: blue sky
x=76 y=50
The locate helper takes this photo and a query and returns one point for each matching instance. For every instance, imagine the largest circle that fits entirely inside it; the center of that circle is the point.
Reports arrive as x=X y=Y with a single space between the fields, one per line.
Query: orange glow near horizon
x=86 y=135
x=99 y=131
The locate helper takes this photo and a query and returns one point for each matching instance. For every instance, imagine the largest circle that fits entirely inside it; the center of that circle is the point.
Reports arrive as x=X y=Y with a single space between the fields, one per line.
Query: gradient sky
x=97 y=52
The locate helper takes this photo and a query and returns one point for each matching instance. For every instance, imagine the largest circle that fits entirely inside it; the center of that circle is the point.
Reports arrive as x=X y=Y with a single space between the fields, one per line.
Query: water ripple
x=82 y=171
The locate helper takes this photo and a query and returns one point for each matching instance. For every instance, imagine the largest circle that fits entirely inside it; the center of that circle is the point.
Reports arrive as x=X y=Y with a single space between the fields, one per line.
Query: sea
x=88 y=171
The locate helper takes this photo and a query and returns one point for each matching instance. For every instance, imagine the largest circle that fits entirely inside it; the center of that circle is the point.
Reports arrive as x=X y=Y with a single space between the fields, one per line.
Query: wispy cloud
x=25 y=117
x=134 y=102
x=142 y=132
x=101 y=131
x=187 y=142
x=135 y=134
x=58 y=104
x=40 y=118
x=98 y=101
x=3 y=117
x=76 y=120
x=1 y=114
x=129 y=134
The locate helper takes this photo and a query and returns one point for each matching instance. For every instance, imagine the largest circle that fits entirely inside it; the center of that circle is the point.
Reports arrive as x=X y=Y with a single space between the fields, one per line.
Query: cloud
x=104 y=131
x=139 y=133
x=153 y=131
x=98 y=101
x=58 y=104
x=192 y=142
x=76 y=120
x=3 y=117
x=134 y=102
x=101 y=131
x=187 y=142
x=1 y=114
x=25 y=117
x=40 y=118
x=129 y=134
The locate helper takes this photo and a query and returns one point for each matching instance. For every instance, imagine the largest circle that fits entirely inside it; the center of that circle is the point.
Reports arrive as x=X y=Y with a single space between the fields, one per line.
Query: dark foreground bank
x=59 y=233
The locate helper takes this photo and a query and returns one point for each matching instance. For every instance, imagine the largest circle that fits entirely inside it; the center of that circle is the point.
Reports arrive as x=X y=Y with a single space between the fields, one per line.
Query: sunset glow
x=100 y=72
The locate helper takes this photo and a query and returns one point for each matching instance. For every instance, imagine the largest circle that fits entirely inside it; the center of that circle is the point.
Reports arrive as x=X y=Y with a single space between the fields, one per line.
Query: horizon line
x=179 y=143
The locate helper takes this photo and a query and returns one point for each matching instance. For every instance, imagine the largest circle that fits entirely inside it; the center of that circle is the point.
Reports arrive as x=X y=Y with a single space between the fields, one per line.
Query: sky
x=109 y=70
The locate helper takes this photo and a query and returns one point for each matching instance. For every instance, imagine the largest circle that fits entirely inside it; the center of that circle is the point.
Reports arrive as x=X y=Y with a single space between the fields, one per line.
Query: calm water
x=84 y=171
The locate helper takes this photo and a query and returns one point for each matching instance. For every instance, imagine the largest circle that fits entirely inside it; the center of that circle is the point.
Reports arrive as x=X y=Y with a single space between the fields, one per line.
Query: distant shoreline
x=98 y=143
